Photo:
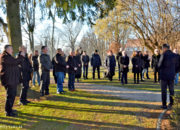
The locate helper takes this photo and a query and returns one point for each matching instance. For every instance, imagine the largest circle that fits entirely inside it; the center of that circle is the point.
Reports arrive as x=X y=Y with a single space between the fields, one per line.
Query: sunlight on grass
x=82 y=110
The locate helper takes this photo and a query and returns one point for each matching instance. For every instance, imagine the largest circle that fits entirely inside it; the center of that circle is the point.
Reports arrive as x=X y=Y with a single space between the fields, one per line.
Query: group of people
x=19 y=70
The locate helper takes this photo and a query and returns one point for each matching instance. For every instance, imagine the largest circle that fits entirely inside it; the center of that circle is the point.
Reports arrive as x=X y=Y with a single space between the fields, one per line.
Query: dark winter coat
x=72 y=64
x=118 y=58
x=79 y=66
x=167 y=65
x=155 y=61
x=111 y=64
x=59 y=63
x=124 y=61
x=177 y=63
x=137 y=64
x=85 y=60
x=96 y=60
x=45 y=61
x=25 y=68
x=10 y=72
x=35 y=63
x=146 y=61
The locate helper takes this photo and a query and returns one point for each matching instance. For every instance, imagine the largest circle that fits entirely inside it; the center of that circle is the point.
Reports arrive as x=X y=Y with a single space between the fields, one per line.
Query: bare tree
x=69 y=34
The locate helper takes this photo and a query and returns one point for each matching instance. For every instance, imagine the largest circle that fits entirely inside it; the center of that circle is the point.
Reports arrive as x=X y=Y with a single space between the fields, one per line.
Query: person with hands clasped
x=71 y=68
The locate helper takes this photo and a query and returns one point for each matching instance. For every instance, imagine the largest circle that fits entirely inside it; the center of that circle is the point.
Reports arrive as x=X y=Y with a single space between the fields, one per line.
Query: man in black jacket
x=71 y=68
x=96 y=63
x=10 y=77
x=26 y=70
x=46 y=66
x=146 y=65
x=35 y=68
x=60 y=69
x=118 y=58
x=154 y=65
x=85 y=60
x=167 y=65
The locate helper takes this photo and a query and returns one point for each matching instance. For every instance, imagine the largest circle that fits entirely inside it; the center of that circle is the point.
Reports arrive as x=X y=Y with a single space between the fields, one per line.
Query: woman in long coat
x=79 y=64
x=110 y=64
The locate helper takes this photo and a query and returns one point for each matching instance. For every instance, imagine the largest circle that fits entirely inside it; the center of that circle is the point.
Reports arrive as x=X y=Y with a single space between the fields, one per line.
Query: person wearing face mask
x=10 y=77
x=124 y=67
x=154 y=65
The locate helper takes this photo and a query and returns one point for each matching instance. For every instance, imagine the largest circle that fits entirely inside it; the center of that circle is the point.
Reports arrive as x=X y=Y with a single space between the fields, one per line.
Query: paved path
x=124 y=93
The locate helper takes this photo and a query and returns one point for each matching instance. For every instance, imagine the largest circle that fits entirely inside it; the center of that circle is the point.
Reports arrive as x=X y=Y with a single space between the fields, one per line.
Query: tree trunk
x=14 y=25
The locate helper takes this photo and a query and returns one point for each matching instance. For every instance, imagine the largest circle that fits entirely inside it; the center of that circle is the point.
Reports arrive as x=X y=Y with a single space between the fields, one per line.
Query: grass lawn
x=147 y=85
x=79 y=111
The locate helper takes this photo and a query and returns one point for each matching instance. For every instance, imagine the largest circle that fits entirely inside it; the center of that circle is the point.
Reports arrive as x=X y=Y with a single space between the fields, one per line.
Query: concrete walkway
x=121 y=92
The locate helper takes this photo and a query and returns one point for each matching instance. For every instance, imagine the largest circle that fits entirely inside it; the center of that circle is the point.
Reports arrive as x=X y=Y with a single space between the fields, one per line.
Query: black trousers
x=156 y=76
x=24 y=91
x=10 y=97
x=119 y=72
x=136 y=77
x=124 y=78
x=164 y=85
x=45 y=81
x=98 y=70
x=85 y=71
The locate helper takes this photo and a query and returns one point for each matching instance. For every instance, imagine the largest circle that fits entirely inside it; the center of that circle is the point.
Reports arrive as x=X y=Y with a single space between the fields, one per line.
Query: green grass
x=79 y=111
x=147 y=85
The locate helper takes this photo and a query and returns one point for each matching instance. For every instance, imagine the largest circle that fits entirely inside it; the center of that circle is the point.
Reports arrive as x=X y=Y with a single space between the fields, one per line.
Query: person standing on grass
x=118 y=58
x=124 y=67
x=96 y=63
x=85 y=60
x=60 y=69
x=26 y=71
x=136 y=69
x=178 y=66
x=146 y=65
x=71 y=68
x=46 y=66
x=141 y=62
x=154 y=65
x=53 y=66
x=10 y=77
x=110 y=64
x=167 y=65
x=79 y=63
x=35 y=64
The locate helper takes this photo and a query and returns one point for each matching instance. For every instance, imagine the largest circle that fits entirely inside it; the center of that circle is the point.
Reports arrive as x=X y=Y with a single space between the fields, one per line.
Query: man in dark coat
x=26 y=70
x=167 y=65
x=85 y=60
x=96 y=63
x=60 y=69
x=136 y=62
x=46 y=66
x=10 y=77
x=177 y=66
x=154 y=65
x=79 y=63
x=71 y=68
x=141 y=63
x=35 y=63
x=110 y=64
x=118 y=58
x=124 y=67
